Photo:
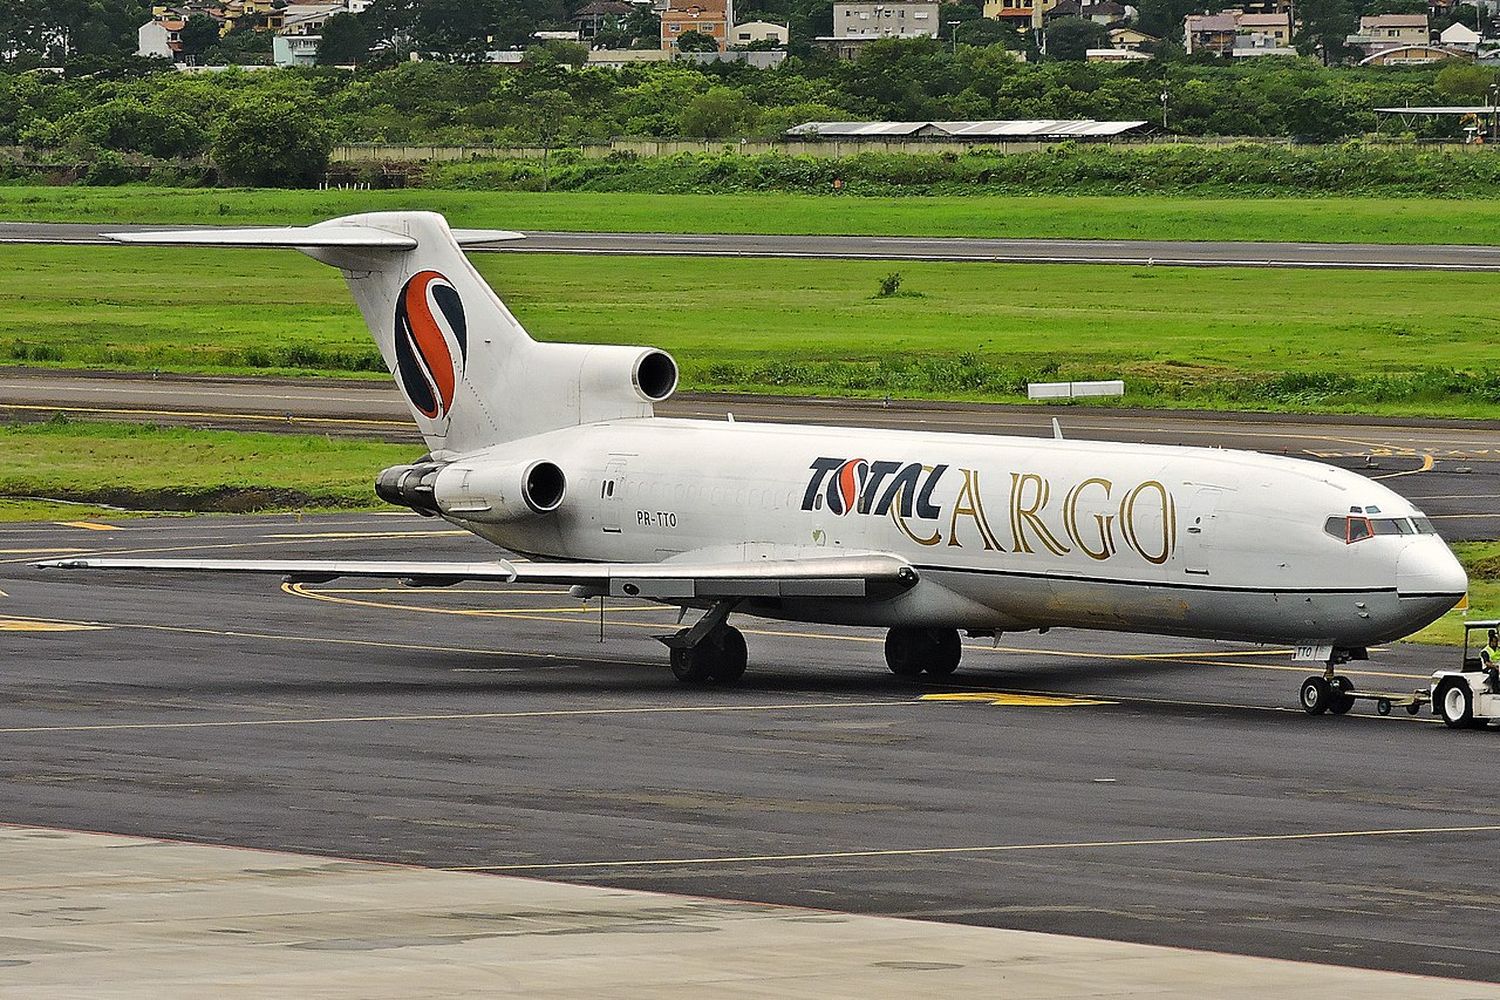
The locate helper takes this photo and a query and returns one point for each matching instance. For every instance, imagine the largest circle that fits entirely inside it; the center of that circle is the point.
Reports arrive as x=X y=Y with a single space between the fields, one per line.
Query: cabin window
x=1423 y=525
x=1351 y=529
x=1391 y=526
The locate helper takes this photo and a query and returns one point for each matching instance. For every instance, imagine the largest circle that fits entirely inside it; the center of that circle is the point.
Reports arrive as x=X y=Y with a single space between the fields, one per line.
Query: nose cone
x=1428 y=568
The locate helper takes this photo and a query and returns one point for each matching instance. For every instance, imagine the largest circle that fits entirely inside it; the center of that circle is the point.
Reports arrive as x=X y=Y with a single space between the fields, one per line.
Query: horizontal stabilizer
x=848 y=575
x=302 y=237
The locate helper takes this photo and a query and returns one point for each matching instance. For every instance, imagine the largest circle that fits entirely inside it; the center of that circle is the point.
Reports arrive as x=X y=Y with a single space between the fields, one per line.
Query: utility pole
x=953 y=29
x=1494 y=111
x=1164 y=109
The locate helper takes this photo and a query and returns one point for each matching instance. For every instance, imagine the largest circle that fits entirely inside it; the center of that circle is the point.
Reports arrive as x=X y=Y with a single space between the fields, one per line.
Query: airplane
x=552 y=452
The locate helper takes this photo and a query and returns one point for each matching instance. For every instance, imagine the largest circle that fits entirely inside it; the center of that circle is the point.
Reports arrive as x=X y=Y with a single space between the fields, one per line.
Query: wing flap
x=853 y=575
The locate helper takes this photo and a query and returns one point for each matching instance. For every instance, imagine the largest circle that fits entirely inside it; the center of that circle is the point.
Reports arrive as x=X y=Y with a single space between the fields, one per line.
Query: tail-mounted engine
x=492 y=492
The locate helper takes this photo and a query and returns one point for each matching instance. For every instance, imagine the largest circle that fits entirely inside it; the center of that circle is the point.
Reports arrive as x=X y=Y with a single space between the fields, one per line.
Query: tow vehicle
x=1466 y=698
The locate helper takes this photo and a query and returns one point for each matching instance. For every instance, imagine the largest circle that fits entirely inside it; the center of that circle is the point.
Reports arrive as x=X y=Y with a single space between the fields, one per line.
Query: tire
x=903 y=651
x=1414 y=708
x=1341 y=700
x=1455 y=703
x=690 y=665
x=947 y=652
x=1383 y=706
x=729 y=656
x=1315 y=696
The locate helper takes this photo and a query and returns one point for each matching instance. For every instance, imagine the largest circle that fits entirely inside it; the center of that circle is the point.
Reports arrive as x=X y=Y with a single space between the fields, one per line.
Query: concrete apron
x=95 y=915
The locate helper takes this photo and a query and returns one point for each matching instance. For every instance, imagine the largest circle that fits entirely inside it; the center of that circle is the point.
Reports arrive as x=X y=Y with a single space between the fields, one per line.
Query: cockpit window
x=1354 y=527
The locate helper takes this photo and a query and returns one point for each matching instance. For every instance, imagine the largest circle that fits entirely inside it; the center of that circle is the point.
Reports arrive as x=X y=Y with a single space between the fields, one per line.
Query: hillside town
x=616 y=33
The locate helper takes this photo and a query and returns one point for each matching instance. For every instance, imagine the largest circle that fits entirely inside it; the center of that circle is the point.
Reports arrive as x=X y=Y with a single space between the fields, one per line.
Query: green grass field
x=1240 y=338
x=1360 y=220
x=160 y=469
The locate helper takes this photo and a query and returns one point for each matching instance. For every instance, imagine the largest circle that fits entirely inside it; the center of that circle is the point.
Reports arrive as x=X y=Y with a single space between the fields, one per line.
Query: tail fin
x=471 y=375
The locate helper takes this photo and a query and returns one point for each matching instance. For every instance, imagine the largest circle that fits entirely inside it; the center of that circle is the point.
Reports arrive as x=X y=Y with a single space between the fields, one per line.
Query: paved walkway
x=93 y=915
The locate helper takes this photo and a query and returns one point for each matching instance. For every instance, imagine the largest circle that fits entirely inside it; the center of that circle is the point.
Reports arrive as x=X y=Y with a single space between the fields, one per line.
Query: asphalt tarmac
x=1451 y=469
x=1176 y=253
x=1110 y=786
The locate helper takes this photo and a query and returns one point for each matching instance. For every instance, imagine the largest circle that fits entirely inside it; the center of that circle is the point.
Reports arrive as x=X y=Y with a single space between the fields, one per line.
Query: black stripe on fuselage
x=1164 y=584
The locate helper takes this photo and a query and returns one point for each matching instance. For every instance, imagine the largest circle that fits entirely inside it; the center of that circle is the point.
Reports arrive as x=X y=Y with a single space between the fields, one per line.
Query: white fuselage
x=1006 y=533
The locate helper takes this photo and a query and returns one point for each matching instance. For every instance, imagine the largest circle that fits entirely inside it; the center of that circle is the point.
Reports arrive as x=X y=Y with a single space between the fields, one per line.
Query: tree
x=199 y=34
x=1466 y=84
x=266 y=142
x=1325 y=26
x=345 y=41
x=716 y=114
x=696 y=41
x=1070 y=38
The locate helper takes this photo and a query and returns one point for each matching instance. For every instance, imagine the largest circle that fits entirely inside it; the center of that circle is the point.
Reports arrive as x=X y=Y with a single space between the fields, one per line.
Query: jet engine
x=490 y=492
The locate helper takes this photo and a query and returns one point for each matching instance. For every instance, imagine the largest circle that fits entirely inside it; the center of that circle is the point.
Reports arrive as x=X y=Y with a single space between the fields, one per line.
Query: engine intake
x=500 y=491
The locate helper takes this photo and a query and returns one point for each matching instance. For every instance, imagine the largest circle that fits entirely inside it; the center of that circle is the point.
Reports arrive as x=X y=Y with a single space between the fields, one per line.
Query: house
x=1414 y=55
x=601 y=15
x=752 y=32
x=301 y=32
x=295 y=50
x=1396 y=29
x=1105 y=12
x=1238 y=33
x=709 y=17
x=855 y=25
x=159 y=40
x=1209 y=33
x=1132 y=39
x=1458 y=36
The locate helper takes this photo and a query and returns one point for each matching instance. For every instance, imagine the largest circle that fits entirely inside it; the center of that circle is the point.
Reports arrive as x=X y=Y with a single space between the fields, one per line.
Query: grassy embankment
x=159 y=469
x=1392 y=342
x=1381 y=219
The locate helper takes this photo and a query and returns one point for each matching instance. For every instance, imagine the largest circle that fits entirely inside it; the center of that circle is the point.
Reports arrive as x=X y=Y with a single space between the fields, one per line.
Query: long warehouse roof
x=1012 y=129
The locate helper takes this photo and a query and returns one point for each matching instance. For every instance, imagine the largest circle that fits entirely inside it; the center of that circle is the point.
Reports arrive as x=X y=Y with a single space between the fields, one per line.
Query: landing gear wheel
x=910 y=651
x=729 y=663
x=1456 y=706
x=690 y=665
x=1341 y=698
x=720 y=656
x=1315 y=696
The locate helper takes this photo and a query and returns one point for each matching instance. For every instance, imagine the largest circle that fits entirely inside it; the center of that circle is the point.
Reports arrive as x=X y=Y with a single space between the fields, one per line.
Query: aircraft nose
x=1429 y=569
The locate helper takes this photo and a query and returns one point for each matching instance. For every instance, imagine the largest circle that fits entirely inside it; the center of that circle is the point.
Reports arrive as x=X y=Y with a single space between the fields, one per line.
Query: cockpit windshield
x=1350 y=528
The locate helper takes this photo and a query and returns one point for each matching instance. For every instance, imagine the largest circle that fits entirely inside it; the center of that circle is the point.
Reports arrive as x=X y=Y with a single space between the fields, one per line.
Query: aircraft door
x=1198 y=545
x=612 y=495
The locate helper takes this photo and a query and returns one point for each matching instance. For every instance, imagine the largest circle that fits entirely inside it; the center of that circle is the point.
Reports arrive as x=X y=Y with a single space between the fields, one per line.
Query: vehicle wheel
x=1414 y=708
x=948 y=650
x=1315 y=696
x=729 y=656
x=903 y=651
x=1383 y=706
x=1341 y=699
x=1456 y=705
x=690 y=665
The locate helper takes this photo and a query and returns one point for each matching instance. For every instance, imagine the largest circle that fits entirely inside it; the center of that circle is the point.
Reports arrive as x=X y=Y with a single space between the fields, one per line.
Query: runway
x=1128 y=788
x=1451 y=469
x=1166 y=253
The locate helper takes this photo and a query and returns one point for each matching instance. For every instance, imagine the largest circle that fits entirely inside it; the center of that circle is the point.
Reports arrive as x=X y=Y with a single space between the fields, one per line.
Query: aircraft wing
x=846 y=575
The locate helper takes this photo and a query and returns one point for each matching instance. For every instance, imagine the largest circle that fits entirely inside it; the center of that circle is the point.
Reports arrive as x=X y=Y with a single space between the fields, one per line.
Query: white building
x=759 y=31
x=295 y=50
x=857 y=24
x=158 y=40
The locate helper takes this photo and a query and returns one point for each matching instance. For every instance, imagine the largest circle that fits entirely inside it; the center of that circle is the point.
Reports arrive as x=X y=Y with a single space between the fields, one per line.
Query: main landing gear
x=710 y=651
x=912 y=651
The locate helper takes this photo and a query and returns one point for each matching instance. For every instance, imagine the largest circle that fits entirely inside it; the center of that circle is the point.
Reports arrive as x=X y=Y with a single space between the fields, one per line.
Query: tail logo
x=432 y=342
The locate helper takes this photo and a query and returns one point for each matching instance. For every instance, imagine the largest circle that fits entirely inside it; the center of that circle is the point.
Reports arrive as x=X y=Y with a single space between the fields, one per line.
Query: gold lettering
x=1104 y=522
x=970 y=504
x=1131 y=529
x=898 y=500
x=1022 y=514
